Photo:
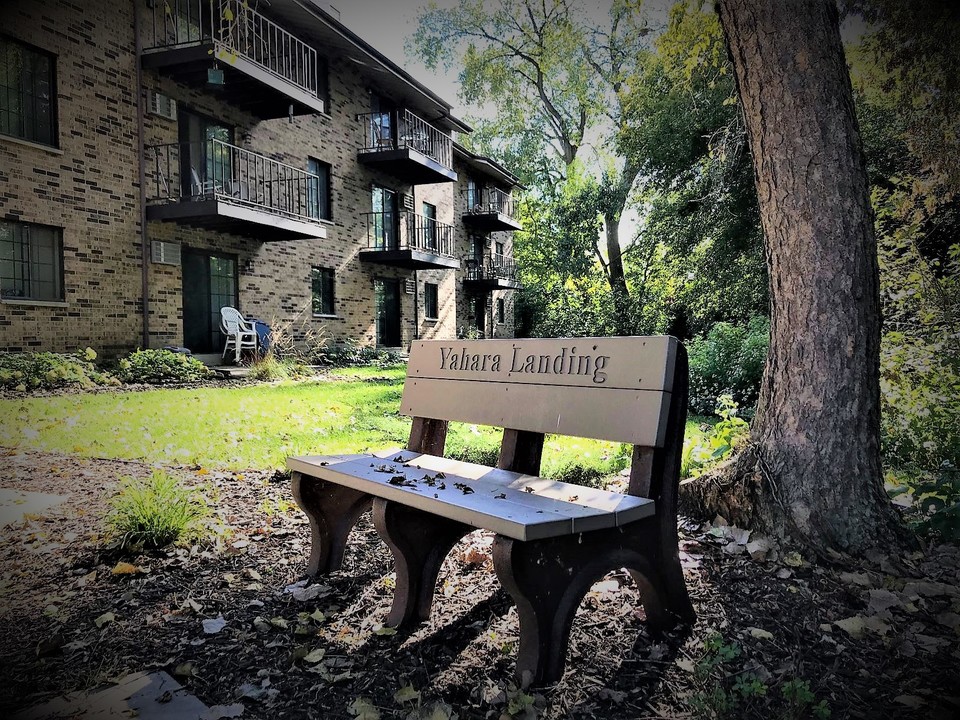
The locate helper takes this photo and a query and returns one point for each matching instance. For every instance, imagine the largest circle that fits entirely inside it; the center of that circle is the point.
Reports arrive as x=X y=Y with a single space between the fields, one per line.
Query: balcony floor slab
x=256 y=223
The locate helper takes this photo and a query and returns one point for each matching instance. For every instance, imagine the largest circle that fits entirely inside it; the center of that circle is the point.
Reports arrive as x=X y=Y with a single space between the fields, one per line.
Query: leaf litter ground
x=242 y=628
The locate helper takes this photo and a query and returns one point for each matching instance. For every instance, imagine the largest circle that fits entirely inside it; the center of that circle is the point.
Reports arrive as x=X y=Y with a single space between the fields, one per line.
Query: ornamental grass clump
x=153 y=513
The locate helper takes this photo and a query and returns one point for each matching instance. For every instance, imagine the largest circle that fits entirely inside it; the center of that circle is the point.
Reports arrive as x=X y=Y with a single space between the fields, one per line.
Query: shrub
x=159 y=367
x=728 y=360
x=351 y=354
x=150 y=514
x=44 y=370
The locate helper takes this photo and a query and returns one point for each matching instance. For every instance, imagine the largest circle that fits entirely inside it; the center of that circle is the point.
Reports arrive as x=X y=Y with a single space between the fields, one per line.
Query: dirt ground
x=776 y=637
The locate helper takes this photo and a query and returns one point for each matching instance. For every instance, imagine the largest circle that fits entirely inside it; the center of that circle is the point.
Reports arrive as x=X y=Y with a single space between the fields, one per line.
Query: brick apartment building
x=160 y=159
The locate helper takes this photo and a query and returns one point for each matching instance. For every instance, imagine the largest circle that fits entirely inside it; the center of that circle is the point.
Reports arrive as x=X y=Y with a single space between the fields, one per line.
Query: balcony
x=494 y=272
x=489 y=210
x=408 y=240
x=407 y=147
x=222 y=187
x=266 y=70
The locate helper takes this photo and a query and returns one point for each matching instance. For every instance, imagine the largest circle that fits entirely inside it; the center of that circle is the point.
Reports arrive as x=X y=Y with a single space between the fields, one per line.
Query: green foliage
x=159 y=367
x=270 y=367
x=728 y=360
x=44 y=371
x=702 y=453
x=352 y=354
x=150 y=514
x=800 y=699
x=721 y=691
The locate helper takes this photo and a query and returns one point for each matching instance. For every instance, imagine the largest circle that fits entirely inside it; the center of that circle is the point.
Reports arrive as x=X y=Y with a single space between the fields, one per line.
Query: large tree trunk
x=812 y=470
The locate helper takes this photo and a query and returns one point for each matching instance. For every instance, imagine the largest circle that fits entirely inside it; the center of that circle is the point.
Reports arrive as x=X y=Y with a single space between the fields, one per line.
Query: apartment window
x=318 y=190
x=27 y=93
x=500 y=250
x=429 y=230
x=31 y=262
x=322 y=282
x=431 y=301
x=501 y=311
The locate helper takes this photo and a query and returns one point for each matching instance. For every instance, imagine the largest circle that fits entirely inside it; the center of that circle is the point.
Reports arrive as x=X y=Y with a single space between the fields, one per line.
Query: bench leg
x=333 y=510
x=419 y=542
x=548 y=578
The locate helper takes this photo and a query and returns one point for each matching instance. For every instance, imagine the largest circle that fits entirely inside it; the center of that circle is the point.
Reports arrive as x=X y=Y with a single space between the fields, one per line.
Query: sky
x=386 y=24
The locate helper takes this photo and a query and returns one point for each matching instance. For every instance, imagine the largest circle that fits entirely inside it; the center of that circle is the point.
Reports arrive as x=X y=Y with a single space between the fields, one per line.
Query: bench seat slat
x=499 y=501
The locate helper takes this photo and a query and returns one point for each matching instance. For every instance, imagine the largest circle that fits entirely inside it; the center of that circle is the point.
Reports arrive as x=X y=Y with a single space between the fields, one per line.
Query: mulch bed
x=875 y=640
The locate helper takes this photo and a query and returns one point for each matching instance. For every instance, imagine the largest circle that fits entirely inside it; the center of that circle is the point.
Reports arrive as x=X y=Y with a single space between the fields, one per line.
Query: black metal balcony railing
x=401 y=129
x=493 y=267
x=489 y=200
x=214 y=169
x=237 y=29
x=407 y=230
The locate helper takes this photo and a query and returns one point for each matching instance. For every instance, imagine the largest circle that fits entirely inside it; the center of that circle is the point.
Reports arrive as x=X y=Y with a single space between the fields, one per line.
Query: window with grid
x=27 y=93
x=431 y=302
x=31 y=262
x=322 y=282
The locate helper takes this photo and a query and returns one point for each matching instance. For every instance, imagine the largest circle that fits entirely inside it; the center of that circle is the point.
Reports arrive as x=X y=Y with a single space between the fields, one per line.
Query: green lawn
x=258 y=426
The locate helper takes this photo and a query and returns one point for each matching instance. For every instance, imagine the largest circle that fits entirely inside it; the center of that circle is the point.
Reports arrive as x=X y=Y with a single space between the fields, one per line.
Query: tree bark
x=812 y=470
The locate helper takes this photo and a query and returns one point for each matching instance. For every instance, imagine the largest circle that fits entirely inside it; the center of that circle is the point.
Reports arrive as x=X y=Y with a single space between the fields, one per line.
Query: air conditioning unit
x=407 y=201
x=161 y=105
x=409 y=286
x=165 y=253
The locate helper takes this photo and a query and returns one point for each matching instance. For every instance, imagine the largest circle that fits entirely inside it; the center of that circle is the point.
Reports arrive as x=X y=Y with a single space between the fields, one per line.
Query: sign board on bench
x=607 y=388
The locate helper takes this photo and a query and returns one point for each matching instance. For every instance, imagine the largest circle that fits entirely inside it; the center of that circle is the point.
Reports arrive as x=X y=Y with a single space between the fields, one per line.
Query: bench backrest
x=611 y=388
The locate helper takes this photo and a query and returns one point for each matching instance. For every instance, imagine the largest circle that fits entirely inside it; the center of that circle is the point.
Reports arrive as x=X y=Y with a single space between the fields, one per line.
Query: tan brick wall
x=90 y=188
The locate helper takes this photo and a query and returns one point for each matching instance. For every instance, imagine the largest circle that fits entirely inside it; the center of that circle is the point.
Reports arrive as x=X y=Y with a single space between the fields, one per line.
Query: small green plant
x=800 y=699
x=44 y=371
x=160 y=367
x=150 y=514
x=715 y=447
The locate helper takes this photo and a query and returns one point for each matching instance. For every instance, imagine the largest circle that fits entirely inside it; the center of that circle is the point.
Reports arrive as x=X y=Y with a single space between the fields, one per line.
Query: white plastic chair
x=241 y=334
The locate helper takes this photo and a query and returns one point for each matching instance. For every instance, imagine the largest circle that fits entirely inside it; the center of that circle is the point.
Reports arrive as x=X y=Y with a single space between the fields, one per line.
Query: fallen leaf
x=912 y=701
x=758 y=549
x=950 y=620
x=760 y=633
x=861 y=579
x=384 y=630
x=881 y=600
x=211 y=626
x=279 y=622
x=406 y=694
x=857 y=626
x=223 y=711
x=107 y=617
x=184 y=670
x=315 y=656
x=363 y=709
x=124 y=568
x=685 y=665
x=793 y=559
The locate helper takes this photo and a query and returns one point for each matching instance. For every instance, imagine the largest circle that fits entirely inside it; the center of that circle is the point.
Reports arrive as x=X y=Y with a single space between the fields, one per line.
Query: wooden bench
x=553 y=539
